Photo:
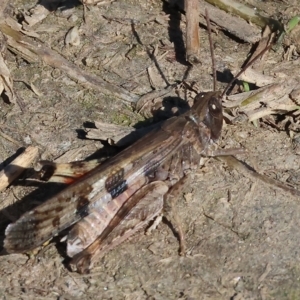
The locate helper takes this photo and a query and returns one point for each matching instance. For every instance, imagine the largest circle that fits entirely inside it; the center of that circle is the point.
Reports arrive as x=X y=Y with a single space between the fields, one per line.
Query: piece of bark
x=235 y=25
x=6 y=82
x=17 y=166
x=37 y=14
x=249 y=14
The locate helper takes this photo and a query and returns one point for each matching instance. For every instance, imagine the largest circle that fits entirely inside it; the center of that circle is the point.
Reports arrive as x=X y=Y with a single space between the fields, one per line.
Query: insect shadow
x=167 y=108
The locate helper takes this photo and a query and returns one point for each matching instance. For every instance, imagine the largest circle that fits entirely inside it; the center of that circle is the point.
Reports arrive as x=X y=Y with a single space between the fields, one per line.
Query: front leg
x=199 y=135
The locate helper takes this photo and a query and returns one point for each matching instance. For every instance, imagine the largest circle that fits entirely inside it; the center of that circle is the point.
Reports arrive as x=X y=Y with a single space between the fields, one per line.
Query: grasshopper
x=120 y=196
x=112 y=201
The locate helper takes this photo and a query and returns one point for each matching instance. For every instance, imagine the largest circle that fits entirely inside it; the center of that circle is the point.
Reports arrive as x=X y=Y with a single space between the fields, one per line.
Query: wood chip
x=17 y=167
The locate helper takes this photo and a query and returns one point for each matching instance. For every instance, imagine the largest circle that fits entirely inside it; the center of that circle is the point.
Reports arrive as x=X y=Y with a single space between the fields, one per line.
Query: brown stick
x=17 y=166
x=192 y=31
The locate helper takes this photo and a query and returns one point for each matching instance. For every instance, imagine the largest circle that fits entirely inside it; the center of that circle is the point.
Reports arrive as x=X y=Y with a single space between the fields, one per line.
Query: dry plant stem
x=213 y=63
x=17 y=166
x=247 y=13
x=55 y=60
x=9 y=138
x=250 y=63
x=275 y=96
x=257 y=77
x=236 y=26
x=263 y=44
x=6 y=82
x=246 y=170
x=192 y=31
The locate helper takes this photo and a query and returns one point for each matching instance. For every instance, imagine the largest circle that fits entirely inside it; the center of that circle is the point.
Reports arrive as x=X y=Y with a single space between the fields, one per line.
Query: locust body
x=118 y=197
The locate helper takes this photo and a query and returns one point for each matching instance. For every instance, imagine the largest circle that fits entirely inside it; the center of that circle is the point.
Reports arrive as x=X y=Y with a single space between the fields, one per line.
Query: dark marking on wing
x=82 y=206
x=55 y=222
x=149 y=169
x=114 y=178
x=58 y=209
x=83 y=201
x=115 y=184
x=78 y=164
x=119 y=189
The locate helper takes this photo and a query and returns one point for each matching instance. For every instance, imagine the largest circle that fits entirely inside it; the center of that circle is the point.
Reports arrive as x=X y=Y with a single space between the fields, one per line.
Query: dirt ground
x=242 y=235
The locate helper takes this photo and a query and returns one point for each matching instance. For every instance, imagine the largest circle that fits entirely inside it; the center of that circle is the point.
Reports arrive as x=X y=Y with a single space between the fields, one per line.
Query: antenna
x=260 y=54
x=213 y=62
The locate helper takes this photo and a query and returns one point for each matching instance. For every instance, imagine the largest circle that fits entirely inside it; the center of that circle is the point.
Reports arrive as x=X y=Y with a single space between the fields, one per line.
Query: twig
x=7 y=137
x=192 y=31
x=17 y=166
x=213 y=63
